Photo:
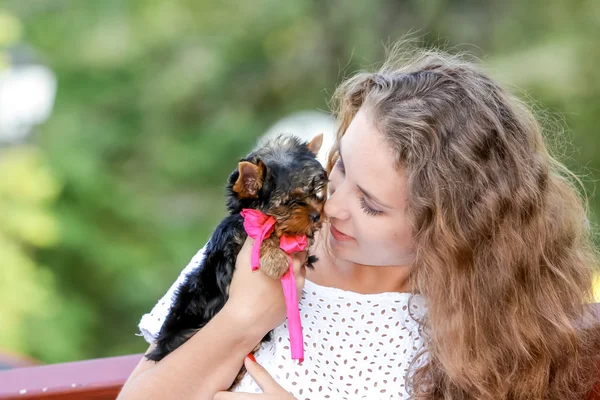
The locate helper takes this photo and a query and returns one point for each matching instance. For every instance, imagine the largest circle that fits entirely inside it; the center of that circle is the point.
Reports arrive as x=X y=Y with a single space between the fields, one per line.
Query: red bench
x=99 y=379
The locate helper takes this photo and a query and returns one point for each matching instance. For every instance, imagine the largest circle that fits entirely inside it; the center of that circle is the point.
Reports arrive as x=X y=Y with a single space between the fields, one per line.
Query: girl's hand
x=271 y=389
x=255 y=299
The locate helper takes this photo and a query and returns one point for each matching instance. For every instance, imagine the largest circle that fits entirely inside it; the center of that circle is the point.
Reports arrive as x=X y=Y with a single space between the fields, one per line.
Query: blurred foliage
x=156 y=101
x=26 y=289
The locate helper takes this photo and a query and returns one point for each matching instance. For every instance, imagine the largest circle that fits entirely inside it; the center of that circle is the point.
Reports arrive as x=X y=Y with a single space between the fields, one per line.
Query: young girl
x=456 y=263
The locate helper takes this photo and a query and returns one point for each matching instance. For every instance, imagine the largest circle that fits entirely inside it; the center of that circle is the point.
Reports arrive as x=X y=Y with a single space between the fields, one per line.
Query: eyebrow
x=367 y=194
x=372 y=198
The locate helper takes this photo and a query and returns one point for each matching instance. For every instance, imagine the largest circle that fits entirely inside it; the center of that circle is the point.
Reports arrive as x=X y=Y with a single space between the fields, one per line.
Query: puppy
x=282 y=179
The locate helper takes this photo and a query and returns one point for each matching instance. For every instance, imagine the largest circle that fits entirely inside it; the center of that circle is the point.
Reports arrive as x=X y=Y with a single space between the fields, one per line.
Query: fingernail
x=251 y=357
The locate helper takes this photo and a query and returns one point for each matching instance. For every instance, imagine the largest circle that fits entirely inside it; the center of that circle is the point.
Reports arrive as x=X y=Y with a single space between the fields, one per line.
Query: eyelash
x=366 y=209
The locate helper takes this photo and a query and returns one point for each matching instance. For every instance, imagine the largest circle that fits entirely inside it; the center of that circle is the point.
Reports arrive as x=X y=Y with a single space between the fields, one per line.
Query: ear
x=250 y=179
x=315 y=144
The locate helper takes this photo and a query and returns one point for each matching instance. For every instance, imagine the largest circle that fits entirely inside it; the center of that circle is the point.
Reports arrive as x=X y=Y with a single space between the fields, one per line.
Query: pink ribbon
x=260 y=226
x=293 y=244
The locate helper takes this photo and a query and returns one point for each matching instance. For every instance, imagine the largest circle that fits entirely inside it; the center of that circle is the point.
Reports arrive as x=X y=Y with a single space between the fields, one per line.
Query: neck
x=346 y=275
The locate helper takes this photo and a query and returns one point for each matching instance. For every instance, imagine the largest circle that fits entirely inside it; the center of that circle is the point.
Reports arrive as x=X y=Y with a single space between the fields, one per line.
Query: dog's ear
x=315 y=144
x=250 y=179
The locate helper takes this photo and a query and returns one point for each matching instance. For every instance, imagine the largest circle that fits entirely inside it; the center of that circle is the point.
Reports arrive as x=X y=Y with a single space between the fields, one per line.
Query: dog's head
x=282 y=178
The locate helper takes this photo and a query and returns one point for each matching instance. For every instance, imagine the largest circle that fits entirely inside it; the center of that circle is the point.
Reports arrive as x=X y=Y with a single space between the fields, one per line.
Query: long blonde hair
x=504 y=258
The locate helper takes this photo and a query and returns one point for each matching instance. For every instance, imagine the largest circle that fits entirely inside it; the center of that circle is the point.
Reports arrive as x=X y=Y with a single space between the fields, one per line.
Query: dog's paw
x=274 y=263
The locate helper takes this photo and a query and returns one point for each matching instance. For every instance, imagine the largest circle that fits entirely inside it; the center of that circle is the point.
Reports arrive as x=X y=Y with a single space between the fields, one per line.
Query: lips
x=342 y=237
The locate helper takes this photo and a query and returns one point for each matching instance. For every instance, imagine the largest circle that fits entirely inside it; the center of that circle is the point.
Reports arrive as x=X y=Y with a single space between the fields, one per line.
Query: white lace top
x=357 y=346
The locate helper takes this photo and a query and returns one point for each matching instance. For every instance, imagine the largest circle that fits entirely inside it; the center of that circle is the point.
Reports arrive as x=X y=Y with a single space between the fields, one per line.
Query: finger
x=299 y=264
x=243 y=257
x=247 y=246
x=264 y=380
x=299 y=261
x=249 y=242
x=300 y=280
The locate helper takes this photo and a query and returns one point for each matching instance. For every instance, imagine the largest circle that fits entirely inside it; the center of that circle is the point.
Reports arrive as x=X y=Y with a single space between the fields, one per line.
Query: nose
x=336 y=205
x=315 y=216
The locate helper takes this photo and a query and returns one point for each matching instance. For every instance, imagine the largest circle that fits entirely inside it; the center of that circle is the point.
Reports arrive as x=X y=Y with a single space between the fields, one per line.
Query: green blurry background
x=103 y=204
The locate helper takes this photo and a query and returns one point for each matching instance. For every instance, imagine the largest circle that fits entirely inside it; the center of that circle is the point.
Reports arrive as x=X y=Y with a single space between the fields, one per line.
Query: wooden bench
x=99 y=379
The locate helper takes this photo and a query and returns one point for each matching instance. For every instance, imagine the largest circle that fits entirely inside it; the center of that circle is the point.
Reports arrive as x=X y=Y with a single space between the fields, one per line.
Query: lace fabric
x=357 y=346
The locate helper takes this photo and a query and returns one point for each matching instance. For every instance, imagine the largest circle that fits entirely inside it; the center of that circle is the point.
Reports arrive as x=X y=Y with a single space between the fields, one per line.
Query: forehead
x=369 y=160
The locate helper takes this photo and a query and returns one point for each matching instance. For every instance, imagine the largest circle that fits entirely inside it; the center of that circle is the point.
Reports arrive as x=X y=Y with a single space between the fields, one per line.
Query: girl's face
x=366 y=203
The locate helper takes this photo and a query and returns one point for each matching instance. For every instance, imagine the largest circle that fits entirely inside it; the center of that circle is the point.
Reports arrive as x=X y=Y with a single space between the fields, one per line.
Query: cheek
x=401 y=240
x=379 y=234
x=371 y=232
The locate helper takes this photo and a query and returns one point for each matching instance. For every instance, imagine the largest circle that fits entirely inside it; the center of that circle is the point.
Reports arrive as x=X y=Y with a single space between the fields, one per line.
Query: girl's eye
x=339 y=164
x=368 y=210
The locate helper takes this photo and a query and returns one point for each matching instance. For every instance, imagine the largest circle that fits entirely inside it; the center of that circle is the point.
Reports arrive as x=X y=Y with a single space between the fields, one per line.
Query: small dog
x=282 y=179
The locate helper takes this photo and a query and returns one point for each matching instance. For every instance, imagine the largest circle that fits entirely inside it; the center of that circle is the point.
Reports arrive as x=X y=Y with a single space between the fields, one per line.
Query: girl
x=455 y=265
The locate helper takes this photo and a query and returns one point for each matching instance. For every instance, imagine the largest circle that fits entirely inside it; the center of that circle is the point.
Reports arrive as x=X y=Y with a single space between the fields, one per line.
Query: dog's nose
x=315 y=216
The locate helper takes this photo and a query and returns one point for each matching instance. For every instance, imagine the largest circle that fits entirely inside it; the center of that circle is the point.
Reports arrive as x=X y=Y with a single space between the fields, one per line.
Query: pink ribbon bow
x=260 y=226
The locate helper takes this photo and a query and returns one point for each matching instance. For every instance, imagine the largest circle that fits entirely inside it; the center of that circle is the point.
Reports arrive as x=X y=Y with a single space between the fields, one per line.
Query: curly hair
x=504 y=258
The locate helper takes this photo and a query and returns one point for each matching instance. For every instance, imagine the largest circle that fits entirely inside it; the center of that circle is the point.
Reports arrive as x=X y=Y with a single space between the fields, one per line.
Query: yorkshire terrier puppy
x=282 y=179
